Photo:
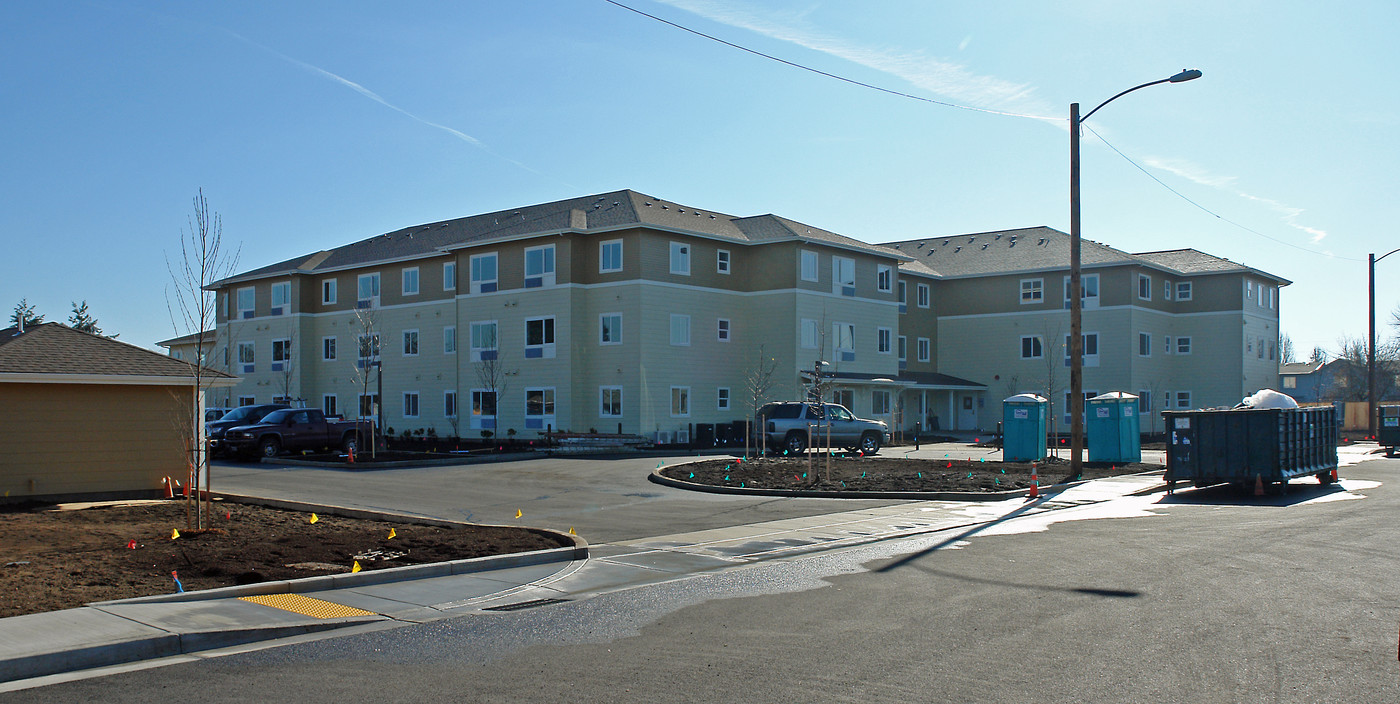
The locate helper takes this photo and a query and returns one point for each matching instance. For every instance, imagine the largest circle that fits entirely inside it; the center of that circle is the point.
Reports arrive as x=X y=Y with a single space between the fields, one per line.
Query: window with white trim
x=484 y=273
x=1183 y=290
x=247 y=356
x=368 y=347
x=281 y=354
x=1183 y=399
x=1088 y=291
x=409 y=278
x=680 y=401
x=449 y=404
x=449 y=281
x=722 y=398
x=1032 y=290
x=1272 y=290
x=483 y=409
x=328 y=349
x=809 y=265
x=410 y=343
x=722 y=261
x=449 y=339
x=539 y=338
x=1144 y=344
x=924 y=349
x=903 y=288
x=722 y=329
x=1144 y=287
x=810 y=334
x=1168 y=346
x=843 y=341
x=609 y=256
x=1032 y=347
x=1183 y=344
x=882 y=340
x=328 y=405
x=884 y=278
x=1090 y=349
x=922 y=293
x=247 y=302
x=879 y=402
x=903 y=345
x=367 y=290
x=539 y=266
x=843 y=276
x=1249 y=290
x=1167 y=290
x=539 y=408
x=328 y=291
x=680 y=330
x=246 y=401
x=483 y=341
x=680 y=258
x=410 y=404
x=281 y=297
x=369 y=405
x=610 y=402
x=1144 y=401
x=610 y=329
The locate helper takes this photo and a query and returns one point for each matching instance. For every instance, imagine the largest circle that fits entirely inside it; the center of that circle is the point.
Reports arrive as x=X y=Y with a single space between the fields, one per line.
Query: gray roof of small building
x=1299 y=367
x=602 y=212
x=190 y=339
x=56 y=349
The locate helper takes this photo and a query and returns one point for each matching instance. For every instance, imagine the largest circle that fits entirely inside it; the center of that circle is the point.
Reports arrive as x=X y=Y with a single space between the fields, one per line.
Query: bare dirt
x=57 y=558
x=888 y=474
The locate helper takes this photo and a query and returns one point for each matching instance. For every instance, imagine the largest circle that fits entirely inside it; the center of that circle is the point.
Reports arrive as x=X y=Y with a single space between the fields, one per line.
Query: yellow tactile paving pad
x=307 y=606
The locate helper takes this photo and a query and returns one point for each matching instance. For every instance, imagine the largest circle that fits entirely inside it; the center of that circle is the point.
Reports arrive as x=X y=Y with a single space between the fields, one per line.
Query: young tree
x=1318 y=356
x=758 y=381
x=24 y=316
x=287 y=376
x=491 y=374
x=1052 y=361
x=202 y=261
x=368 y=368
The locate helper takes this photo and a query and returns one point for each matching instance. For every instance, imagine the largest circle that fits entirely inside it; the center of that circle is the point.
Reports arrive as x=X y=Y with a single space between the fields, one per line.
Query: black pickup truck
x=292 y=429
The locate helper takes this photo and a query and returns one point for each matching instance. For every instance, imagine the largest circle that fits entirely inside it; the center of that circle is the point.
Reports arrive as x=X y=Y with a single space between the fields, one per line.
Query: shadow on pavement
x=1091 y=591
x=1034 y=503
x=1230 y=495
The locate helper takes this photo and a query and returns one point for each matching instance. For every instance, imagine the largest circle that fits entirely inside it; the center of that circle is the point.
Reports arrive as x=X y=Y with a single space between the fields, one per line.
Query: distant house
x=83 y=415
x=1300 y=380
x=186 y=347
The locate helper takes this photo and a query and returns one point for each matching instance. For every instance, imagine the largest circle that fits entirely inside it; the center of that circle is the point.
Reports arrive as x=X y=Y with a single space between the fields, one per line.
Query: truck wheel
x=269 y=447
x=869 y=443
x=795 y=443
x=350 y=444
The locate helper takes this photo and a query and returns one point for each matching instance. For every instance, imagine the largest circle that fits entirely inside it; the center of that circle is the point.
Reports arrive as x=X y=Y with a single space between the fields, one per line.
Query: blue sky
x=313 y=124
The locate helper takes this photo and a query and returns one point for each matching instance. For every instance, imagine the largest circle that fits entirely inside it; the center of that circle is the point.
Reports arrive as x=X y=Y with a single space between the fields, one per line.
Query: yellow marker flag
x=174 y=533
x=518 y=513
x=571 y=531
x=356 y=568
x=391 y=534
x=314 y=518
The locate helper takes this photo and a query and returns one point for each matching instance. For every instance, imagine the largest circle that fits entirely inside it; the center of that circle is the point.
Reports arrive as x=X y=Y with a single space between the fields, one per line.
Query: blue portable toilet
x=1023 y=428
x=1113 y=428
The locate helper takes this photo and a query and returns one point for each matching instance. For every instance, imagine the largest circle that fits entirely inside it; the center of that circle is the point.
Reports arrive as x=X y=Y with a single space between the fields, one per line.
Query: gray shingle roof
x=1190 y=261
x=617 y=209
x=57 y=349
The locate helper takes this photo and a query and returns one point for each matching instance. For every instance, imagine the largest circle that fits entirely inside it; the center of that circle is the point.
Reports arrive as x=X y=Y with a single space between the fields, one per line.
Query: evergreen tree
x=83 y=321
x=24 y=315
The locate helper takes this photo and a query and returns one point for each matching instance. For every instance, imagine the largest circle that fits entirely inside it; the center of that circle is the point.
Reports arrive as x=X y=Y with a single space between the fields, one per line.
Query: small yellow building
x=85 y=416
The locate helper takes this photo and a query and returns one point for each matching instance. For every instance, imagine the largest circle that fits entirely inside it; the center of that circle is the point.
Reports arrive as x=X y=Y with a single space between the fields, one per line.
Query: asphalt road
x=1202 y=597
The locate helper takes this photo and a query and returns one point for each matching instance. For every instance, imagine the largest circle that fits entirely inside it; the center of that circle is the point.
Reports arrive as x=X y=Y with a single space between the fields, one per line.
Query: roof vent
x=945 y=243
x=970 y=240
x=998 y=237
x=1013 y=243
x=712 y=217
x=680 y=210
x=647 y=204
x=921 y=245
x=665 y=207
x=985 y=246
x=615 y=204
x=896 y=246
x=957 y=249
x=1042 y=241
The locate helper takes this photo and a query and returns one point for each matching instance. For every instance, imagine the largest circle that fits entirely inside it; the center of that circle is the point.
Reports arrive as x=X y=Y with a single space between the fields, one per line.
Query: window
x=449 y=404
x=722 y=261
x=843 y=341
x=809 y=265
x=1144 y=344
x=922 y=293
x=1183 y=399
x=1032 y=347
x=328 y=405
x=247 y=353
x=327 y=291
x=410 y=281
x=1249 y=344
x=483 y=410
x=903 y=288
x=328 y=349
x=1032 y=290
x=1290 y=382
x=539 y=266
x=369 y=347
x=410 y=343
x=1091 y=349
x=449 y=280
x=884 y=278
x=843 y=276
x=483 y=341
x=281 y=353
x=680 y=401
x=410 y=404
x=449 y=339
x=722 y=398
x=723 y=330
x=882 y=340
x=1272 y=290
x=1261 y=348
x=609 y=256
x=680 y=330
x=368 y=290
x=281 y=297
x=247 y=302
x=809 y=334
x=1273 y=350
x=539 y=339
x=880 y=403
x=1088 y=291
x=1167 y=290
x=1144 y=287
x=1249 y=290
x=246 y=401
x=680 y=258
x=610 y=402
x=1144 y=401
x=610 y=329
x=1183 y=345
x=483 y=273
x=842 y=397
x=903 y=343
x=539 y=408
x=923 y=349
x=1168 y=346
x=1183 y=290
x=369 y=405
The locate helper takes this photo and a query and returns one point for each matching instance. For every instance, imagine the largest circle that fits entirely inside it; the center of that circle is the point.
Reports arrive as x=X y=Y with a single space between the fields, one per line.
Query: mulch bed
x=887 y=474
x=57 y=559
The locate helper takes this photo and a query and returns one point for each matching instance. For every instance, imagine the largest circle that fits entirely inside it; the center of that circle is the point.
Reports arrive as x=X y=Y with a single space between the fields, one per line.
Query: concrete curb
x=658 y=478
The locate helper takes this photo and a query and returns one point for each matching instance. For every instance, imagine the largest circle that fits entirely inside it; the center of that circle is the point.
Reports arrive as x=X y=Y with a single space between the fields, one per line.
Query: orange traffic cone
x=352 y=455
x=1334 y=477
x=1258 y=485
x=169 y=488
x=1035 y=483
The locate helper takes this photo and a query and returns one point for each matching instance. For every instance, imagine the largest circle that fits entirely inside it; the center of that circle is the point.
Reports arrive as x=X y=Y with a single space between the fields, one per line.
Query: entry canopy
x=1113 y=395
x=1024 y=398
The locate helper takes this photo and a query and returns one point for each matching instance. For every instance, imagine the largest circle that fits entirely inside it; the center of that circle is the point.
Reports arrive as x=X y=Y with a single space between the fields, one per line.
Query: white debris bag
x=1268 y=398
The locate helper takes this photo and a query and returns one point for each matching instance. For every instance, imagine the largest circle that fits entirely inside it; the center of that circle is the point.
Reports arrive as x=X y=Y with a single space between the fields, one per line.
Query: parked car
x=786 y=426
x=292 y=429
x=243 y=415
x=213 y=413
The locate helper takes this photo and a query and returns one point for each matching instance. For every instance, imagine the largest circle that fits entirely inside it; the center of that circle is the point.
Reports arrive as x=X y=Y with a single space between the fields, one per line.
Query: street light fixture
x=1371 y=260
x=1076 y=305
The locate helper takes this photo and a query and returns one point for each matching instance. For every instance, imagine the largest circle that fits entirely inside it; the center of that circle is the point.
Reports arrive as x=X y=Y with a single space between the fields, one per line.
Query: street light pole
x=1076 y=303
x=1371 y=260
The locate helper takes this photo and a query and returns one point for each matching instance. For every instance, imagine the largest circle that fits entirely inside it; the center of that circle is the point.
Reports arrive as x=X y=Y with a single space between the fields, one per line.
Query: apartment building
x=621 y=312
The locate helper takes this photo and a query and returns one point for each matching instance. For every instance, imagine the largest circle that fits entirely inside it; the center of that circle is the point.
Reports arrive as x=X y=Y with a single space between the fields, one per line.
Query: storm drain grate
x=522 y=605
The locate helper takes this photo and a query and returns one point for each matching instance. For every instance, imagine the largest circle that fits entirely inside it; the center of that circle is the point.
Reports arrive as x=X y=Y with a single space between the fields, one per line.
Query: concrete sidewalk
x=37 y=649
